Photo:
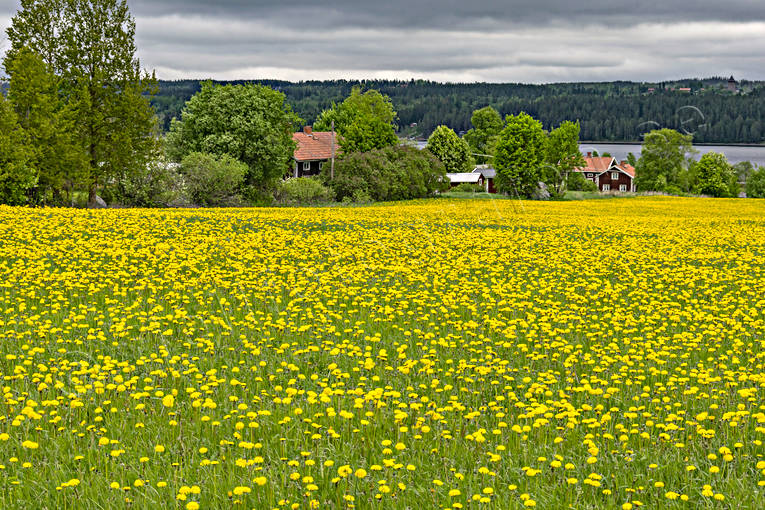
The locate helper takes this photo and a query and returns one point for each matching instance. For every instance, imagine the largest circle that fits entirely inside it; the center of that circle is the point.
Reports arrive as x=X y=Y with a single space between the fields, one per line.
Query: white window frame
x=306 y=166
x=321 y=164
x=606 y=187
x=622 y=187
x=614 y=176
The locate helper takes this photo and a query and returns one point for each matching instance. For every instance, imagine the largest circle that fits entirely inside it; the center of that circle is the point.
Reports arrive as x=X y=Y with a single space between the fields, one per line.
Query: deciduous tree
x=664 y=158
x=520 y=155
x=364 y=121
x=713 y=175
x=562 y=155
x=453 y=151
x=482 y=138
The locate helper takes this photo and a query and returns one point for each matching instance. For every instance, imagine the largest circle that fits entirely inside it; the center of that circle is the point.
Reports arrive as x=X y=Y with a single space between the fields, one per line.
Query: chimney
x=589 y=154
x=307 y=130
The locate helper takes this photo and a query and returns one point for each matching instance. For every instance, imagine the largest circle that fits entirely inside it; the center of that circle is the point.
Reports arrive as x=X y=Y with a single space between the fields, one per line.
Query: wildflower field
x=434 y=354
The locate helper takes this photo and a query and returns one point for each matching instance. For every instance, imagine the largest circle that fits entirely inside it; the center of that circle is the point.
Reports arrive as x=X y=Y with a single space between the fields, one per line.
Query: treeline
x=615 y=111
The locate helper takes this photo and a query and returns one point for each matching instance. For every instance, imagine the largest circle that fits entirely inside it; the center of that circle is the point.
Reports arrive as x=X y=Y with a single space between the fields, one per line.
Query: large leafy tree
x=17 y=175
x=90 y=45
x=56 y=154
x=520 y=155
x=714 y=175
x=453 y=151
x=562 y=155
x=482 y=137
x=664 y=160
x=251 y=123
x=364 y=120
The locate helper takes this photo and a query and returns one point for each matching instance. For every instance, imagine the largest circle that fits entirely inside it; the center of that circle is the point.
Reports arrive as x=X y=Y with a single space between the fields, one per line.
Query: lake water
x=735 y=154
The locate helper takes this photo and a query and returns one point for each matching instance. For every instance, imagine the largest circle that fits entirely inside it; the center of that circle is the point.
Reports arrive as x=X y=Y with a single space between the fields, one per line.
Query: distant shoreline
x=704 y=144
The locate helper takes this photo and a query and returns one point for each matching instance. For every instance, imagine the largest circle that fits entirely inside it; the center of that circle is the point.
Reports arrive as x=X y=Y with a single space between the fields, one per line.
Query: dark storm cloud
x=478 y=40
x=451 y=14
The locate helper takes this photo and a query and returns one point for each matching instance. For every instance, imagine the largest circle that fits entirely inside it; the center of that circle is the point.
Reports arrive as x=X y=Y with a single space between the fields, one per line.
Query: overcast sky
x=448 y=40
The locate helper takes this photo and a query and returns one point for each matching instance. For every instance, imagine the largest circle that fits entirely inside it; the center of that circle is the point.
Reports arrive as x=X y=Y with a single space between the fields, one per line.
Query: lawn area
x=432 y=354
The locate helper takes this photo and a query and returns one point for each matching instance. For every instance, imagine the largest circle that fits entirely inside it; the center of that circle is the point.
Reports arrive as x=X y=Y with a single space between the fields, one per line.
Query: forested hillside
x=615 y=111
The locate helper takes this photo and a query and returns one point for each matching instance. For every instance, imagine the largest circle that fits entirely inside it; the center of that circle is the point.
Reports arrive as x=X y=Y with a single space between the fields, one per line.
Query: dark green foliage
x=714 y=176
x=213 y=180
x=56 y=153
x=616 y=111
x=453 y=151
x=303 y=191
x=391 y=173
x=520 y=156
x=364 y=121
x=250 y=123
x=17 y=176
x=755 y=184
x=482 y=137
x=664 y=160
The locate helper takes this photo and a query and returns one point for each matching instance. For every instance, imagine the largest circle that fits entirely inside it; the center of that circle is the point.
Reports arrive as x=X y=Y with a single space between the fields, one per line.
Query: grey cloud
x=327 y=14
x=449 y=40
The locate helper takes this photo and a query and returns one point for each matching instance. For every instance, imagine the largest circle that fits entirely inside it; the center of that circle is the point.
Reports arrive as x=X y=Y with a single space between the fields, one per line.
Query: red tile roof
x=604 y=164
x=596 y=164
x=315 y=146
x=628 y=169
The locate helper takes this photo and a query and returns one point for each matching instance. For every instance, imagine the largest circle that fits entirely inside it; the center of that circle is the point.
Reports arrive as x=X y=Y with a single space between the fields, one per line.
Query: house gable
x=608 y=174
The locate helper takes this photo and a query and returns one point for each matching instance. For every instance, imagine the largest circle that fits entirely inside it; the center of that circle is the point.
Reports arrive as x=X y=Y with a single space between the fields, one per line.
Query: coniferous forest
x=614 y=111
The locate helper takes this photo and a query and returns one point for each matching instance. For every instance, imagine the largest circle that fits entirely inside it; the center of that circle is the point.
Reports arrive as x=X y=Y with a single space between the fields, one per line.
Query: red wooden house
x=608 y=174
x=314 y=148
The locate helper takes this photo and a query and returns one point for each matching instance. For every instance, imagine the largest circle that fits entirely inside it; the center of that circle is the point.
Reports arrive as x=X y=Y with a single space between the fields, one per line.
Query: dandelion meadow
x=434 y=354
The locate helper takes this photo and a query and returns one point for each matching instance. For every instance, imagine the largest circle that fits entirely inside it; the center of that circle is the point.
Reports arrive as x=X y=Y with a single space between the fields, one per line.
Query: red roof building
x=314 y=148
x=608 y=174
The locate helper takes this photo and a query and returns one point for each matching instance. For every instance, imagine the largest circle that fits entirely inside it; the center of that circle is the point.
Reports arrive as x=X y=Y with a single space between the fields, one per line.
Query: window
x=614 y=176
x=606 y=187
x=321 y=164
x=622 y=187
x=306 y=166
x=589 y=175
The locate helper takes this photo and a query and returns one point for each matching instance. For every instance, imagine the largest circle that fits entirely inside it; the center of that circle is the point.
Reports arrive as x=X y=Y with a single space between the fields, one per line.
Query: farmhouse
x=314 y=148
x=608 y=174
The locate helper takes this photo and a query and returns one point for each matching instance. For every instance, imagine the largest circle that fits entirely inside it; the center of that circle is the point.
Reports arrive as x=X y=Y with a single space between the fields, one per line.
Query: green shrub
x=303 y=190
x=755 y=184
x=577 y=182
x=467 y=187
x=391 y=173
x=213 y=180
x=158 y=186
